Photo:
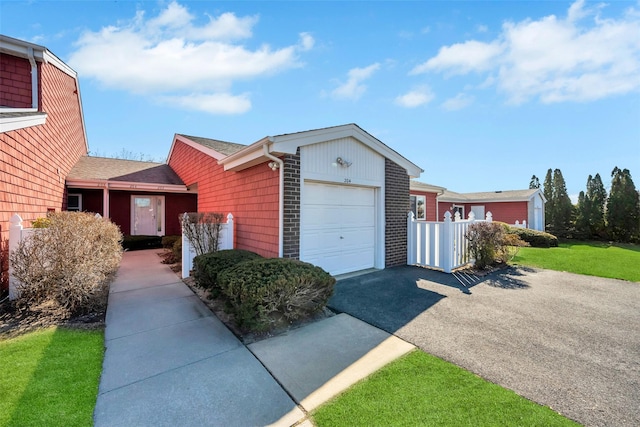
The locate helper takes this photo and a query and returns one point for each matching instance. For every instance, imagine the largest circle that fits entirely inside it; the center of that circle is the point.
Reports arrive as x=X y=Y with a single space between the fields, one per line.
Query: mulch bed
x=16 y=321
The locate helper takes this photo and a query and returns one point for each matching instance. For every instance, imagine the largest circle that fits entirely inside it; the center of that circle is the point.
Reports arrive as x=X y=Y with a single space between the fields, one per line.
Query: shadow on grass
x=62 y=389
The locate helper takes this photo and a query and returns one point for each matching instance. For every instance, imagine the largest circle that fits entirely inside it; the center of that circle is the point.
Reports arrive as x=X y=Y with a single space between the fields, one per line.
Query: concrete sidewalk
x=169 y=361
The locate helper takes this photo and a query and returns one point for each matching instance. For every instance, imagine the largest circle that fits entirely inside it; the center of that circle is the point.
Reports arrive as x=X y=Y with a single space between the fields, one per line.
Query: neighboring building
x=142 y=198
x=42 y=133
x=505 y=206
x=336 y=197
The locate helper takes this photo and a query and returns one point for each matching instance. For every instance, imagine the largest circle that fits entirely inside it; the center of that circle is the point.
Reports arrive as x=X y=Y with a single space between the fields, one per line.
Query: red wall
x=250 y=195
x=15 y=82
x=34 y=161
x=508 y=212
x=430 y=203
x=120 y=207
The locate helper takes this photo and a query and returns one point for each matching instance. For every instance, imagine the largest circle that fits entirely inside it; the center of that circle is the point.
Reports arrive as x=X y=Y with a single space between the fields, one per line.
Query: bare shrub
x=489 y=244
x=4 y=265
x=67 y=265
x=202 y=230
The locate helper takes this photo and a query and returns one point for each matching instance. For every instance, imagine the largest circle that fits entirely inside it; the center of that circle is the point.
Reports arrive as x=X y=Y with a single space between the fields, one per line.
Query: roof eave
x=126 y=185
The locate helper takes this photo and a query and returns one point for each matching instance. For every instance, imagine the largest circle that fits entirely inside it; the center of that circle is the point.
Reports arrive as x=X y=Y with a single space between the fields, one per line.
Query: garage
x=338 y=227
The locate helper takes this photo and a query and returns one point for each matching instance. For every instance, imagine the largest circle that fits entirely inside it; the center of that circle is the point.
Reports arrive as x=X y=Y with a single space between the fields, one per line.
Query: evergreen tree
x=583 y=228
x=547 y=190
x=623 y=207
x=562 y=207
x=534 y=183
x=597 y=199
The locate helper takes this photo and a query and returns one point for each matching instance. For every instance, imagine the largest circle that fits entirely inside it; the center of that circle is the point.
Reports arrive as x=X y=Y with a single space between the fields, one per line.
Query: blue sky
x=481 y=94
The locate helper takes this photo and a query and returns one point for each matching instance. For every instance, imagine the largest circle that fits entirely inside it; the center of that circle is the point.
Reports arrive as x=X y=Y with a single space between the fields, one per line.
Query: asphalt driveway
x=566 y=341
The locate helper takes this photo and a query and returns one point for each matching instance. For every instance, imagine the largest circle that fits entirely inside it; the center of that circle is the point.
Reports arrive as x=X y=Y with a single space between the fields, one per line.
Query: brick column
x=397 y=206
x=291 y=220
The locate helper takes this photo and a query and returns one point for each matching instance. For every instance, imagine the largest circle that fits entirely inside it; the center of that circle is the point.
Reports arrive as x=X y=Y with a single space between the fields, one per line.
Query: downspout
x=438 y=205
x=34 y=78
x=265 y=150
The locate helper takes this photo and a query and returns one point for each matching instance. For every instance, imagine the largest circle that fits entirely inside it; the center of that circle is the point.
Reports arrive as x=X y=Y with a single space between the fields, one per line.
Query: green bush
x=68 y=265
x=535 y=238
x=206 y=267
x=265 y=293
x=169 y=241
x=136 y=243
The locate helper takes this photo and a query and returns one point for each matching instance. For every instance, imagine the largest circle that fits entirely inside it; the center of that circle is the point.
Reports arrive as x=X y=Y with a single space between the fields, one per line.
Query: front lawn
x=616 y=261
x=421 y=390
x=50 y=377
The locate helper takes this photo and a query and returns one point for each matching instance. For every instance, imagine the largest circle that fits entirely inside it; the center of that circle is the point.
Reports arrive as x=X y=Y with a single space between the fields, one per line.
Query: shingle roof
x=488 y=196
x=222 y=147
x=103 y=168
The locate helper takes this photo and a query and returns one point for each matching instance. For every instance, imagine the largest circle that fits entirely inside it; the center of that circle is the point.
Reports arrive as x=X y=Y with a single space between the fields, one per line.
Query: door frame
x=160 y=210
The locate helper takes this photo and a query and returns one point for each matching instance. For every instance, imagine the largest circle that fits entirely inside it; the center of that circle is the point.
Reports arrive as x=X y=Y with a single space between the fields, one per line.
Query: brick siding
x=291 y=235
x=251 y=195
x=397 y=205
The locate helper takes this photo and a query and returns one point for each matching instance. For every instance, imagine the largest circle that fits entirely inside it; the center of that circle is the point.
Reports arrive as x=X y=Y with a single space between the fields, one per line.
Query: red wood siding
x=507 y=212
x=34 y=161
x=430 y=204
x=15 y=82
x=175 y=206
x=250 y=195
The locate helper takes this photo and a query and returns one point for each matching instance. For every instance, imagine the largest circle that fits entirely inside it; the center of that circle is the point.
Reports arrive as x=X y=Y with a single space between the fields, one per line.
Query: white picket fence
x=440 y=245
x=17 y=233
x=188 y=252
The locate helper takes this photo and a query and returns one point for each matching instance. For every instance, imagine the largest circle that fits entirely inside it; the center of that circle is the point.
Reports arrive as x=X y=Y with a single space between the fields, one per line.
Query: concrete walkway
x=169 y=361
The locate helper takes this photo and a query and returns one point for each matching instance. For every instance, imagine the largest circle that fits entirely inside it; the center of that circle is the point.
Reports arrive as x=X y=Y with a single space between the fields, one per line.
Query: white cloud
x=416 y=97
x=353 y=88
x=581 y=57
x=482 y=28
x=462 y=58
x=172 y=53
x=458 y=102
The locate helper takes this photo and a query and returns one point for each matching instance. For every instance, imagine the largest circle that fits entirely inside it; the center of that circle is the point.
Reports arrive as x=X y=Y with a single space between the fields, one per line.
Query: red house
x=42 y=132
x=142 y=198
x=336 y=197
x=515 y=206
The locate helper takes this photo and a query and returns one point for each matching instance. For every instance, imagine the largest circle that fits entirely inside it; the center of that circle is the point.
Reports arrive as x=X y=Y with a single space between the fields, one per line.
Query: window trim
x=79 y=196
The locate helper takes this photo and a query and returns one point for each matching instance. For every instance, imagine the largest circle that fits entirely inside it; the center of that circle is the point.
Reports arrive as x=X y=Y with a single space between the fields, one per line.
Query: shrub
x=535 y=238
x=173 y=253
x=206 y=267
x=485 y=242
x=265 y=293
x=169 y=241
x=202 y=229
x=67 y=265
x=4 y=265
x=136 y=243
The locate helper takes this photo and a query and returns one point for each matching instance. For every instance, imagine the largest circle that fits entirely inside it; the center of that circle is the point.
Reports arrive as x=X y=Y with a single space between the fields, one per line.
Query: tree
x=534 y=183
x=582 y=226
x=562 y=208
x=547 y=190
x=623 y=207
x=597 y=199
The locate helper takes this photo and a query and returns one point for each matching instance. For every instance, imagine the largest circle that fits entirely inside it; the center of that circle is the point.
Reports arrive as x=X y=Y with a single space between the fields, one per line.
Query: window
x=74 y=202
x=459 y=209
x=419 y=207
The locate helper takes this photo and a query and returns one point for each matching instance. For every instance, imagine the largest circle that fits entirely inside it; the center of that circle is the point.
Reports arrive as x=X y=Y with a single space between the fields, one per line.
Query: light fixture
x=273 y=165
x=342 y=162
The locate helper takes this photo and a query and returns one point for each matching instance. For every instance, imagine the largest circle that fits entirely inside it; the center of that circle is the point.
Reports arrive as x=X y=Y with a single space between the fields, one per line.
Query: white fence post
x=15 y=236
x=489 y=217
x=447 y=242
x=411 y=240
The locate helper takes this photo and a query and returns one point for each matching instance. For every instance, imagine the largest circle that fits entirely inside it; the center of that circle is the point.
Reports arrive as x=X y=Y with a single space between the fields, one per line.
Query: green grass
x=422 y=390
x=616 y=261
x=50 y=377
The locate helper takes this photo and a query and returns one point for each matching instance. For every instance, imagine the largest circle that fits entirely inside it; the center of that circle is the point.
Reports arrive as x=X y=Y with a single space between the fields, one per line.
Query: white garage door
x=337 y=227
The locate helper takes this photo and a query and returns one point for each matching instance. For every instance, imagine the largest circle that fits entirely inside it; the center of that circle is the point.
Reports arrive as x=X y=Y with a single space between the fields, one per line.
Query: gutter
x=265 y=150
x=34 y=78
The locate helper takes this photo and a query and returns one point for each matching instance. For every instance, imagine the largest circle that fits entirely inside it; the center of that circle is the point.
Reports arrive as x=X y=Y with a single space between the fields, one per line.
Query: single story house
x=142 y=198
x=336 y=197
x=514 y=206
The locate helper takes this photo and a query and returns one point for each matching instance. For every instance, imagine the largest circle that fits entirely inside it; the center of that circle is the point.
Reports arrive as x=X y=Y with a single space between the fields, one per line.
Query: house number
x=347 y=181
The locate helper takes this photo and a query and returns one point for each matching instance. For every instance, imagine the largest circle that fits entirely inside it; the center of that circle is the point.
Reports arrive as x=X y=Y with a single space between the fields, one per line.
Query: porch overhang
x=128 y=186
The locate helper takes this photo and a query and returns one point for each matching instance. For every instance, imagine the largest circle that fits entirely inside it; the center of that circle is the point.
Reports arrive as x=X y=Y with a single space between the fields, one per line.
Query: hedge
x=207 y=266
